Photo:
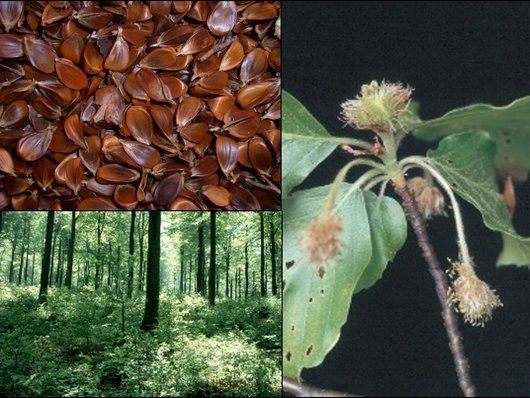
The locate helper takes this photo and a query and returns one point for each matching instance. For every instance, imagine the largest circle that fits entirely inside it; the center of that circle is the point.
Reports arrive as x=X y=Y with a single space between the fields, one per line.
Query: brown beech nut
x=140 y=105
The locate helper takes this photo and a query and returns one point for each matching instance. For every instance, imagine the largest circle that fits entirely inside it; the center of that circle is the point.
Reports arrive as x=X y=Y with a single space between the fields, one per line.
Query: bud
x=470 y=296
x=278 y=28
x=377 y=107
x=320 y=241
x=429 y=199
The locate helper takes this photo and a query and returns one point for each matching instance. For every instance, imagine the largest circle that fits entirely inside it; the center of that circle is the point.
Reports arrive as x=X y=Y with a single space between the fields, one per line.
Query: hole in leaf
x=292 y=328
x=321 y=291
x=321 y=272
x=289 y=264
x=454 y=185
x=450 y=161
x=310 y=299
x=309 y=349
x=508 y=141
x=288 y=356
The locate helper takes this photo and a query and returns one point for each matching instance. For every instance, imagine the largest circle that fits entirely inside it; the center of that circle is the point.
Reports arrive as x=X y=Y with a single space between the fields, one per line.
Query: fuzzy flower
x=320 y=241
x=377 y=107
x=470 y=296
x=429 y=199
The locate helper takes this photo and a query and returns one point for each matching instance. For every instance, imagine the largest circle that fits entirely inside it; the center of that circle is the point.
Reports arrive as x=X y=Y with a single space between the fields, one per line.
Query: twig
x=440 y=279
x=268 y=187
x=297 y=389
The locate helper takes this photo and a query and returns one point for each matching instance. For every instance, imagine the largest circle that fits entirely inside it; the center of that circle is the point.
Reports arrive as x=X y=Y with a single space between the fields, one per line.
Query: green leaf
x=315 y=308
x=466 y=162
x=509 y=127
x=304 y=143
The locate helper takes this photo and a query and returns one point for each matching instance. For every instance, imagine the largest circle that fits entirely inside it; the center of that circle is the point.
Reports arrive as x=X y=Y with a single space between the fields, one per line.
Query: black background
x=453 y=54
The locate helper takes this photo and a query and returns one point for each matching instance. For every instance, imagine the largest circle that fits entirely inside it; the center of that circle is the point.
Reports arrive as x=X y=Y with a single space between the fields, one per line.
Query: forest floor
x=74 y=345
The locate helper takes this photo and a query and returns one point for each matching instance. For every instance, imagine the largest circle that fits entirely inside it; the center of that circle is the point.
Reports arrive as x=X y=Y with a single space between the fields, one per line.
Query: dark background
x=453 y=54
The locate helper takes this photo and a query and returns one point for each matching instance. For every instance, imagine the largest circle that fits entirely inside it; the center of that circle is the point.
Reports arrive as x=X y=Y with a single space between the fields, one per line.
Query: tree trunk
x=53 y=257
x=227 y=259
x=190 y=274
x=130 y=275
x=246 y=269
x=141 y=241
x=46 y=259
x=97 y=280
x=109 y=266
x=60 y=266
x=71 y=246
x=59 y=262
x=26 y=268
x=21 y=265
x=262 y=268
x=238 y=283
x=117 y=271
x=182 y=270
x=87 y=265
x=273 y=260
x=212 y=277
x=32 y=269
x=23 y=248
x=200 y=264
x=12 y=264
x=150 y=320
x=131 y=233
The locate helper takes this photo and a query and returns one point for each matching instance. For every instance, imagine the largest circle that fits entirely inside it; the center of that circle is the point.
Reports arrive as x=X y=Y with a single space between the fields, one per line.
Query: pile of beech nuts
x=140 y=105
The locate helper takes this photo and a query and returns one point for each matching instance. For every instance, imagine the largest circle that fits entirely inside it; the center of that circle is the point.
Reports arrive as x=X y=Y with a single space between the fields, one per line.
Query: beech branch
x=297 y=389
x=440 y=279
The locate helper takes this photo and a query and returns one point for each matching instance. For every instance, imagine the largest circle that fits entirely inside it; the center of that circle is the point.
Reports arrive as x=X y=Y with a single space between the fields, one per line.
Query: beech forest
x=140 y=304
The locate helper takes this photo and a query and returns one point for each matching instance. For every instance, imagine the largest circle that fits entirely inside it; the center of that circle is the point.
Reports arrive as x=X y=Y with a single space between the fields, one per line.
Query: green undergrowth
x=74 y=346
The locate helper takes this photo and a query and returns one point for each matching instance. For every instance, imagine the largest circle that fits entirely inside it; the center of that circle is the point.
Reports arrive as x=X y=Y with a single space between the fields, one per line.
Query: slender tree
x=23 y=248
x=274 y=286
x=53 y=255
x=238 y=276
x=131 y=232
x=33 y=268
x=130 y=275
x=182 y=269
x=212 y=278
x=227 y=250
x=141 y=247
x=201 y=260
x=190 y=274
x=109 y=265
x=26 y=268
x=97 y=280
x=12 y=264
x=87 y=265
x=59 y=262
x=150 y=320
x=246 y=269
x=262 y=256
x=71 y=246
x=46 y=259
